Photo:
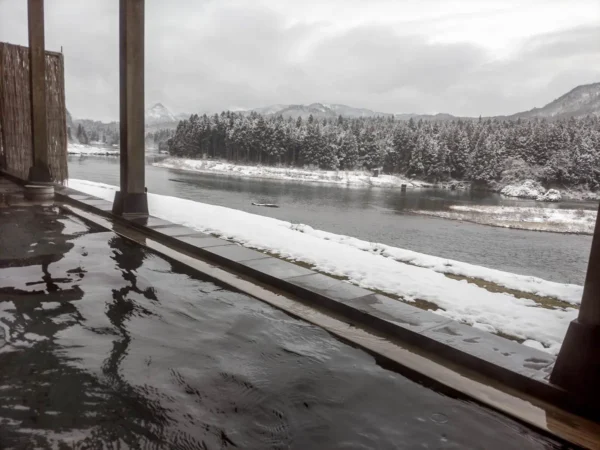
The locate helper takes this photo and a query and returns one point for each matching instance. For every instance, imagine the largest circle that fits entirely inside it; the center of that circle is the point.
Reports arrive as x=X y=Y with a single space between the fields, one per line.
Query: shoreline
x=91 y=150
x=350 y=178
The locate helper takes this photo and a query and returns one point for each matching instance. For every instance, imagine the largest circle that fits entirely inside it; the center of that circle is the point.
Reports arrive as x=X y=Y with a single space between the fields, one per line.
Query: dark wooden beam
x=577 y=368
x=39 y=172
x=132 y=199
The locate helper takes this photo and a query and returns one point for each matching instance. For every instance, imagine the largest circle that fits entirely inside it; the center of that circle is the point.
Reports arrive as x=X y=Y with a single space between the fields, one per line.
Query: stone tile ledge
x=512 y=364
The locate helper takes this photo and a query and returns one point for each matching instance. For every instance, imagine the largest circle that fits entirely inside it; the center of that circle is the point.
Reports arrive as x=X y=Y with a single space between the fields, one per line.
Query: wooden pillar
x=131 y=199
x=39 y=171
x=577 y=368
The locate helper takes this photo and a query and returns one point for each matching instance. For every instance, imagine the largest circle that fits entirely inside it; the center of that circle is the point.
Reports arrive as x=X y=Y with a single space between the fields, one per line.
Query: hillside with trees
x=158 y=139
x=87 y=131
x=561 y=153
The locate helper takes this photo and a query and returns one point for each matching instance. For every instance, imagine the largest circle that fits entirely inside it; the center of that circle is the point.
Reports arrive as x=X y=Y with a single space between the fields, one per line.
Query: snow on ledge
x=399 y=272
x=569 y=293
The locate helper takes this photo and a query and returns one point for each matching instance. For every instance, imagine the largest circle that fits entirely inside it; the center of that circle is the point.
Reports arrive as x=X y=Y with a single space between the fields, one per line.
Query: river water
x=376 y=215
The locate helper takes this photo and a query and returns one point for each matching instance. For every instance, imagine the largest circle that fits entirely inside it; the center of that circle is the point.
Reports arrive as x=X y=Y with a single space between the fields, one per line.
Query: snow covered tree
x=348 y=151
x=486 y=162
x=82 y=136
x=458 y=157
x=416 y=166
x=562 y=152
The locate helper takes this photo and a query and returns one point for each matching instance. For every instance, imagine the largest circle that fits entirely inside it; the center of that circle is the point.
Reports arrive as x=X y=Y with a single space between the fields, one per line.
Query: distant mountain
x=335 y=110
x=582 y=101
x=440 y=117
x=349 y=111
x=267 y=110
x=317 y=110
x=159 y=115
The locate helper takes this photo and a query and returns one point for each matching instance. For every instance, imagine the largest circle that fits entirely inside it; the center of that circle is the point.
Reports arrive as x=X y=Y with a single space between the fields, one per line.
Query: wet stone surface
x=176 y=230
x=152 y=222
x=398 y=313
x=235 y=252
x=80 y=197
x=329 y=287
x=278 y=268
x=494 y=349
x=104 y=344
x=202 y=241
x=100 y=204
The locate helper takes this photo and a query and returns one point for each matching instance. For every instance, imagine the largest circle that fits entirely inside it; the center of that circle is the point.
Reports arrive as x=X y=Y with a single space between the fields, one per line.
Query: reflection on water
x=106 y=345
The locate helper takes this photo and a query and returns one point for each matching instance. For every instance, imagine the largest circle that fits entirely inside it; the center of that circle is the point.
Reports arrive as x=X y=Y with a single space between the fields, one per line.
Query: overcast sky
x=464 y=57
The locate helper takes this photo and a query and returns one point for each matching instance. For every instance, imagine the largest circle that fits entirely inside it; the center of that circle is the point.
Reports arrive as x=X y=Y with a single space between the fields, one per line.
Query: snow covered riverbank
x=91 y=150
x=579 y=221
x=533 y=190
x=407 y=275
x=349 y=178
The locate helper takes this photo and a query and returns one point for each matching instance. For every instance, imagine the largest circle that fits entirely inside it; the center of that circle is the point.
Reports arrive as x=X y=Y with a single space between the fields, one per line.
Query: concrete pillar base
x=577 y=368
x=130 y=204
x=38 y=192
x=39 y=174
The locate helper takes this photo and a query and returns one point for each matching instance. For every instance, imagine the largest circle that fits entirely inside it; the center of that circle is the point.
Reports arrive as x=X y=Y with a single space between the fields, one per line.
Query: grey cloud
x=211 y=55
x=546 y=67
x=372 y=60
x=564 y=44
x=233 y=57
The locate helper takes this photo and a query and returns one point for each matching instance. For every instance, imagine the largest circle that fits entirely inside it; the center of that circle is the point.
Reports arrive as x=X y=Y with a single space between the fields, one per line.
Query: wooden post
x=39 y=171
x=131 y=199
x=577 y=368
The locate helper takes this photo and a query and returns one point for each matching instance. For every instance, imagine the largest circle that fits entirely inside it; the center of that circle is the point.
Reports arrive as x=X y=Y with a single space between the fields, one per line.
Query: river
x=376 y=215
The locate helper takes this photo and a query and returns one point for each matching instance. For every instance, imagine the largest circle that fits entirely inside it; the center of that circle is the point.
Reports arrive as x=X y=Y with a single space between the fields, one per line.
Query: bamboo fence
x=16 y=154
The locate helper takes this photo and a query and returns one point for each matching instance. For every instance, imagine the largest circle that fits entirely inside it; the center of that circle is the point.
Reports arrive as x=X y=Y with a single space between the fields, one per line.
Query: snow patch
x=534 y=344
x=385 y=268
x=569 y=293
x=553 y=195
x=532 y=190
x=556 y=220
x=527 y=189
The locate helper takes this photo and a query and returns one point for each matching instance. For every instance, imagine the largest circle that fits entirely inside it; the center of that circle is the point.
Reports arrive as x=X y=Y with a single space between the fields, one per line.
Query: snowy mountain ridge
x=317 y=110
x=159 y=113
x=581 y=101
x=336 y=109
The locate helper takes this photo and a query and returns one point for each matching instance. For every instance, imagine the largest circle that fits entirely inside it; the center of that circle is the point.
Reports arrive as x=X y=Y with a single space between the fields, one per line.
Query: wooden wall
x=15 y=118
